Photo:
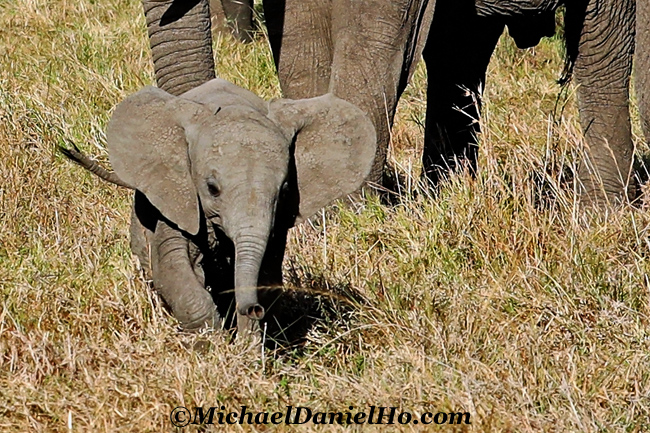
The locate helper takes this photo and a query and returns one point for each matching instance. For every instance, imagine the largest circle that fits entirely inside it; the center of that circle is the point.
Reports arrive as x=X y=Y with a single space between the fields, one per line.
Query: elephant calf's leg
x=271 y=269
x=174 y=278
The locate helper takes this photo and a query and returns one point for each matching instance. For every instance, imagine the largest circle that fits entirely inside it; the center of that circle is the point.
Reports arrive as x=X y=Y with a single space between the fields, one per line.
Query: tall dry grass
x=498 y=296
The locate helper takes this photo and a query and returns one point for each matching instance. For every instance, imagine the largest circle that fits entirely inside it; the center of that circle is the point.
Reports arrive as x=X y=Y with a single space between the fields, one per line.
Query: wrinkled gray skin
x=600 y=41
x=221 y=175
x=237 y=15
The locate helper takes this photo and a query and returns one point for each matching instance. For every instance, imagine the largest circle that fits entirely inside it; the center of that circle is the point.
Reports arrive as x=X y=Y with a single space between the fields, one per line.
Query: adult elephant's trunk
x=181 y=43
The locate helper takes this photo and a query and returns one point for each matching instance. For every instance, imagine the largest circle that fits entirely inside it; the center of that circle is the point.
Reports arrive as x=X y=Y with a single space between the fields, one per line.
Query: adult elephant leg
x=457 y=54
x=642 y=64
x=300 y=37
x=218 y=17
x=375 y=45
x=181 y=43
x=605 y=46
x=237 y=14
x=176 y=281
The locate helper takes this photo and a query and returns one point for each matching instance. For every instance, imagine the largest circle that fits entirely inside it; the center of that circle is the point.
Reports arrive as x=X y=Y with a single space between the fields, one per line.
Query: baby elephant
x=220 y=176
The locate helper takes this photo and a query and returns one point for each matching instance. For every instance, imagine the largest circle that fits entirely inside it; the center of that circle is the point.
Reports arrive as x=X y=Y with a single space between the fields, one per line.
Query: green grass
x=498 y=297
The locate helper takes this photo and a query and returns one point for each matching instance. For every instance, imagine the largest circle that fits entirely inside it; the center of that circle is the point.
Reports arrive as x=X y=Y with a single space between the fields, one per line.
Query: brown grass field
x=498 y=297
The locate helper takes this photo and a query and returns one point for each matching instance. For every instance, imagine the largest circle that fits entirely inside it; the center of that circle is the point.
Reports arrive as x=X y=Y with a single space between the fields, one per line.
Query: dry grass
x=497 y=297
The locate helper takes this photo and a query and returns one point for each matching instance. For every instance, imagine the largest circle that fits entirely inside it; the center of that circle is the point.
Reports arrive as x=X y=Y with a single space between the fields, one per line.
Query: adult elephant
x=600 y=44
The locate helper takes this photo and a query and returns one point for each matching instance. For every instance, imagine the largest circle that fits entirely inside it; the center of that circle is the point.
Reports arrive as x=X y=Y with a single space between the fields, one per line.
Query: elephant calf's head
x=220 y=153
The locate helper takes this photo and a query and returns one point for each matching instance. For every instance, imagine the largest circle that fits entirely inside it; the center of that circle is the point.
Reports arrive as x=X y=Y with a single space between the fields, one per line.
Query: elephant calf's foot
x=209 y=321
x=196 y=311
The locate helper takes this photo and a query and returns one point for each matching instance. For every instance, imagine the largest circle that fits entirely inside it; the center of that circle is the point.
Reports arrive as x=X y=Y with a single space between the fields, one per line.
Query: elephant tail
x=78 y=157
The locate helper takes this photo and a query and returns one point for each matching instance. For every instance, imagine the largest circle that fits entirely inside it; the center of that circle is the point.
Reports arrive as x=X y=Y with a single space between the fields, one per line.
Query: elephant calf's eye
x=213 y=189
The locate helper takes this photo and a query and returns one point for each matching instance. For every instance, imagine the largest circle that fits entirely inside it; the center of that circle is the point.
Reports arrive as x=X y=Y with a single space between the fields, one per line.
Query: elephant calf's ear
x=335 y=146
x=148 y=149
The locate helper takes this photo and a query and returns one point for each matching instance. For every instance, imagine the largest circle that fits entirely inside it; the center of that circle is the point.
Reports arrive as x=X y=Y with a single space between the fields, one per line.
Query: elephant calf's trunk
x=253 y=311
x=247 y=303
x=248 y=260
